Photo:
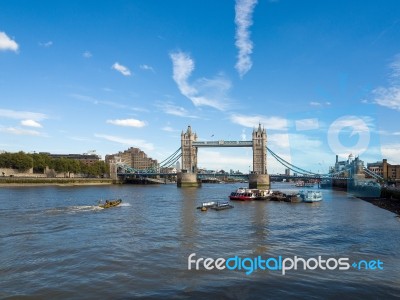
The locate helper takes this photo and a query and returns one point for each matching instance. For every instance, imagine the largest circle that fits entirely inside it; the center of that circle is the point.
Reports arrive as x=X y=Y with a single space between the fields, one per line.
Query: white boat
x=311 y=196
x=207 y=204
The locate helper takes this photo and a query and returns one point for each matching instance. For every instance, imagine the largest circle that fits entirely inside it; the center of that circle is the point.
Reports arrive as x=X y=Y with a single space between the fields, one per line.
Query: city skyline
x=323 y=78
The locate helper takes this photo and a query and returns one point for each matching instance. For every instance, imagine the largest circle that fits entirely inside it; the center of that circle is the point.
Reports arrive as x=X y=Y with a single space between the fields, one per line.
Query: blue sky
x=323 y=77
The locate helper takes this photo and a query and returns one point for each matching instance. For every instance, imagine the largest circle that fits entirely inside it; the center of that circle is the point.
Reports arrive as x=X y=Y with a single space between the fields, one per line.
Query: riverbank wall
x=25 y=181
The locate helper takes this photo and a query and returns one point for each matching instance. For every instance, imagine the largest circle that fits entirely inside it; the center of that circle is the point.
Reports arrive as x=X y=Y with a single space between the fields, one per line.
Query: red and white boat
x=243 y=194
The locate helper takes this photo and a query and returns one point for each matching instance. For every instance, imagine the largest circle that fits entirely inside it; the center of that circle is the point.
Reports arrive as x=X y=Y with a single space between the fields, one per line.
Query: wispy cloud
x=142 y=144
x=147 y=68
x=169 y=129
x=46 y=44
x=216 y=160
x=127 y=122
x=274 y=123
x=122 y=69
x=172 y=109
x=389 y=96
x=243 y=19
x=87 y=54
x=352 y=124
x=31 y=123
x=307 y=124
x=204 y=92
x=108 y=103
x=395 y=67
x=391 y=152
x=6 y=43
x=21 y=115
x=19 y=131
x=319 y=104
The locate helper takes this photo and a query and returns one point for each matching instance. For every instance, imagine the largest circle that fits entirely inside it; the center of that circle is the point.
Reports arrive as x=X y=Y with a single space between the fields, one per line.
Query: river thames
x=56 y=243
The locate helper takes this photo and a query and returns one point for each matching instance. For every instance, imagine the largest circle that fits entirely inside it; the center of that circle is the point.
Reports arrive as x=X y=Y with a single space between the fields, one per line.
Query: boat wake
x=124 y=204
x=74 y=209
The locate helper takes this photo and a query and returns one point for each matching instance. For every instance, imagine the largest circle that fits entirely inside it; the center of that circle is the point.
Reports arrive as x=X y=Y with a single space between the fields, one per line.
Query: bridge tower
x=188 y=175
x=189 y=152
x=259 y=178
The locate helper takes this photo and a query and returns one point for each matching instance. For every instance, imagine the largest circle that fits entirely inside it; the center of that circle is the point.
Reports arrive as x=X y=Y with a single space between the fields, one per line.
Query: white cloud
x=216 y=160
x=301 y=150
x=243 y=19
x=87 y=54
x=274 y=123
x=319 y=104
x=20 y=131
x=169 y=129
x=387 y=97
x=307 y=124
x=142 y=144
x=6 y=43
x=183 y=67
x=204 y=92
x=127 y=122
x=391 y=152
x=46 y=44
x=122 y=69
x=395 y=67
x=108 y=103
x=14 y=114
x=174 y=110
x=147 y=68
x=352 y=124
x=31 y=123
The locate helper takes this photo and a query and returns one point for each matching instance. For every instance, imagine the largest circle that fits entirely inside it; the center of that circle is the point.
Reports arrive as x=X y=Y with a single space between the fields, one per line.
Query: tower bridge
x=258 y=177
x=189 y=145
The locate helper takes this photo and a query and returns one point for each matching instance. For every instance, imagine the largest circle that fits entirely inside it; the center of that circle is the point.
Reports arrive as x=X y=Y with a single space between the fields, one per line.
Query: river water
x=55 y=243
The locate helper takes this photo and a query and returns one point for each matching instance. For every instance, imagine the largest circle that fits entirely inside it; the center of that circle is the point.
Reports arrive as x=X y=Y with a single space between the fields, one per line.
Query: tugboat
x=293 y=198
x=110 y=203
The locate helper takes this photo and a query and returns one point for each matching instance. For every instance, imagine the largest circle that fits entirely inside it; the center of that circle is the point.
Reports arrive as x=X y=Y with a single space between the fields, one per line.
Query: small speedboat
x=110 y=203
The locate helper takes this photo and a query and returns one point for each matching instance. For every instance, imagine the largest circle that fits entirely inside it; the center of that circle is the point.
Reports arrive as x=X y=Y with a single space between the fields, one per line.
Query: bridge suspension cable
x=172 y=159
x=169 y=157
x=291 y=166
x=373 y=174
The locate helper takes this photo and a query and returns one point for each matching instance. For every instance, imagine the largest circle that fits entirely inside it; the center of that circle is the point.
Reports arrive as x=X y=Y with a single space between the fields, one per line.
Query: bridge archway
x=189 y=146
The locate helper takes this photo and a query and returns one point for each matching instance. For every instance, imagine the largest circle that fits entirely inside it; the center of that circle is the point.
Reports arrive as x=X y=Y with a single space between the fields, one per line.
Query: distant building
x=287 y=172
x=342 y=165
x=353 y=168
x=134 y=158
x=386 y=170
x=87 y=159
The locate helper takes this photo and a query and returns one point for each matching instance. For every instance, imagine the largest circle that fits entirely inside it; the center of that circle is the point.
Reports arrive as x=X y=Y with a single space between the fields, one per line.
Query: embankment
x=389 y=200
x=32 y=181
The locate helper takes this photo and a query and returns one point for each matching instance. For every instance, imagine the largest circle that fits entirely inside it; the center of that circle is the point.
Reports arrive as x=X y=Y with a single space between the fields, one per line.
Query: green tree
x=22 y=161
x=40 y=162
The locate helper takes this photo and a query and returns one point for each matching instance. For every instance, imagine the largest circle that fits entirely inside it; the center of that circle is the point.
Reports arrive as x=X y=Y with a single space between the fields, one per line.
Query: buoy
x=204 y=208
